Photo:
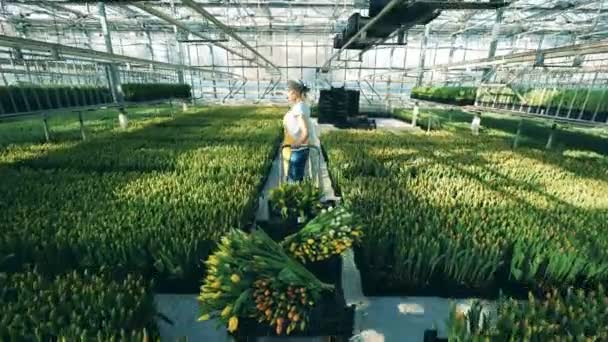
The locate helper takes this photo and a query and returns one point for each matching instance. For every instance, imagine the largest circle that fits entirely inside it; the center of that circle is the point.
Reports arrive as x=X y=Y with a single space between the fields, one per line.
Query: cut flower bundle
x=331 y=233
x=250 y=276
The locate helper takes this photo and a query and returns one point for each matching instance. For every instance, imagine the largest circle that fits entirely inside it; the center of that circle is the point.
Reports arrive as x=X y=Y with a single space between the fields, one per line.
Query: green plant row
x=75 y=307
x=452 y=95
x=585 y=102
x=151 y=200
x=136 y=92
x=17 y=99
x=448 y=208
x=578 y=315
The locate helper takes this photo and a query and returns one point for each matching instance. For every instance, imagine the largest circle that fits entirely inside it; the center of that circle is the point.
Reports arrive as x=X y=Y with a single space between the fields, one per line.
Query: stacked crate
x=337 y=105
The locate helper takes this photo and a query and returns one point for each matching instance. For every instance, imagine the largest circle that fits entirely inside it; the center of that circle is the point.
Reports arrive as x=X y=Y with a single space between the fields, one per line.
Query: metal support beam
x=81 y=124
x=98 y=56
x=496 y=32
x=530 y=56
x=200 y=10
x=493 y=42
x=551 y=138
x=112 y=71
x=253 y=4
x=364 y=29
x=180 y=49
x=149 y=44
x=105 y=31
x=45 y=125
x=423 y=44
x=235 y=90
x=57 y=7
x=176 y=24
x=452 y=48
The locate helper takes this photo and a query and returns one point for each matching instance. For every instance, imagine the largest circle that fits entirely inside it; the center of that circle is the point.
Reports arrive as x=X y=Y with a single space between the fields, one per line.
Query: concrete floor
x=382 y=124
x=392 y=124
x=183 y=311
x=387 y=319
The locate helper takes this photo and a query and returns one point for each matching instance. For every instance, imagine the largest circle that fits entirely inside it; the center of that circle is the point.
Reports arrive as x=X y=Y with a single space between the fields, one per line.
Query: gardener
x=299 y=132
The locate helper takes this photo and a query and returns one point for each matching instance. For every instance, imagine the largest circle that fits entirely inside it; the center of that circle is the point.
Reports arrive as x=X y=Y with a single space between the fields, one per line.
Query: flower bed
x=577 y=315
x=452 y=211
x=153 y=200
x=75 y=306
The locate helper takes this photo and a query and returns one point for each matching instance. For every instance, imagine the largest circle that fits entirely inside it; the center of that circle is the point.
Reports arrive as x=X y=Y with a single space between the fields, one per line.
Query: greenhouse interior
x=304 y=170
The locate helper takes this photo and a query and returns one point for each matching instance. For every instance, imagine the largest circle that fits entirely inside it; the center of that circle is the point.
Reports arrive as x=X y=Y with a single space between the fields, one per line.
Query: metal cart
x=313 y=165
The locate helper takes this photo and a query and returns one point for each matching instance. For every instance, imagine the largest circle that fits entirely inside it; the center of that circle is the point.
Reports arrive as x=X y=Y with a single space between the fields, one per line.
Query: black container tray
x=431 y=336
x=279 y=230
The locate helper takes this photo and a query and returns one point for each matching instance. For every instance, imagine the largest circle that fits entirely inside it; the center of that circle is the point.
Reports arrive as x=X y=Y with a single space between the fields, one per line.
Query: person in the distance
x=299 y=131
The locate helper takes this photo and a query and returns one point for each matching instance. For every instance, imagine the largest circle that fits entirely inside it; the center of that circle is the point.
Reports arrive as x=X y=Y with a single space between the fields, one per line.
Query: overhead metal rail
x=530 y=56
x=98 y=56
x=373 y=21
x=200 y=10
x=55 y=6
x=440 y=5
x=149 y=9
x=248 y=4
x=519 y=58
x=555 y=118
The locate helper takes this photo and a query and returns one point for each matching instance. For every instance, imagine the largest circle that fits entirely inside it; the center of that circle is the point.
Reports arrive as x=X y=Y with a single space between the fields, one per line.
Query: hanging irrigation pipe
x=372 y=22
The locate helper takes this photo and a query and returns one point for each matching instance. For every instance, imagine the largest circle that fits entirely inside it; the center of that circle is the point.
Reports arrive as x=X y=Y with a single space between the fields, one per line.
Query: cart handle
x=284 y=146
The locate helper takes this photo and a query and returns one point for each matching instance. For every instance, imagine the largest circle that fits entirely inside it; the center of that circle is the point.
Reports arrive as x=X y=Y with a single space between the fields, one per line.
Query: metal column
x=452 y=48
x=494 y=42
x=112 y=72
x=423 y=43
x=180 y=48
x=114 y=78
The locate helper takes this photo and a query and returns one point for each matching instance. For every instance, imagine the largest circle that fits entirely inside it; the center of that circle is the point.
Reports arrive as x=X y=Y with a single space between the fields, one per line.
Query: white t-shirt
x=290 y=122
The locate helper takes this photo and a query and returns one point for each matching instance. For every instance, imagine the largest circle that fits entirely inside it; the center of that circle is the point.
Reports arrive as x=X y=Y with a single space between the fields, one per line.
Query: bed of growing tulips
x=92 y=227
x=577 y=315
x=151 y=200
x=75 y=307
x=452 y=214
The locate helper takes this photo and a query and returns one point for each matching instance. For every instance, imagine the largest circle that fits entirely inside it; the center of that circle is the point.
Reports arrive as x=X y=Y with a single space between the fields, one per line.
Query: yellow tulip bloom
x=233 y=324
x=226 y=311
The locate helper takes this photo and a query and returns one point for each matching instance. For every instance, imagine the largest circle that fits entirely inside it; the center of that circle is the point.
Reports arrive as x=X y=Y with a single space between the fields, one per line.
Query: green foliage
x=578 y=315
x=75 y=307
x=452 y=95
x=153 y=199
x=293 y=201
x=451 y=208
x=13 y=98
x=155 y=91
